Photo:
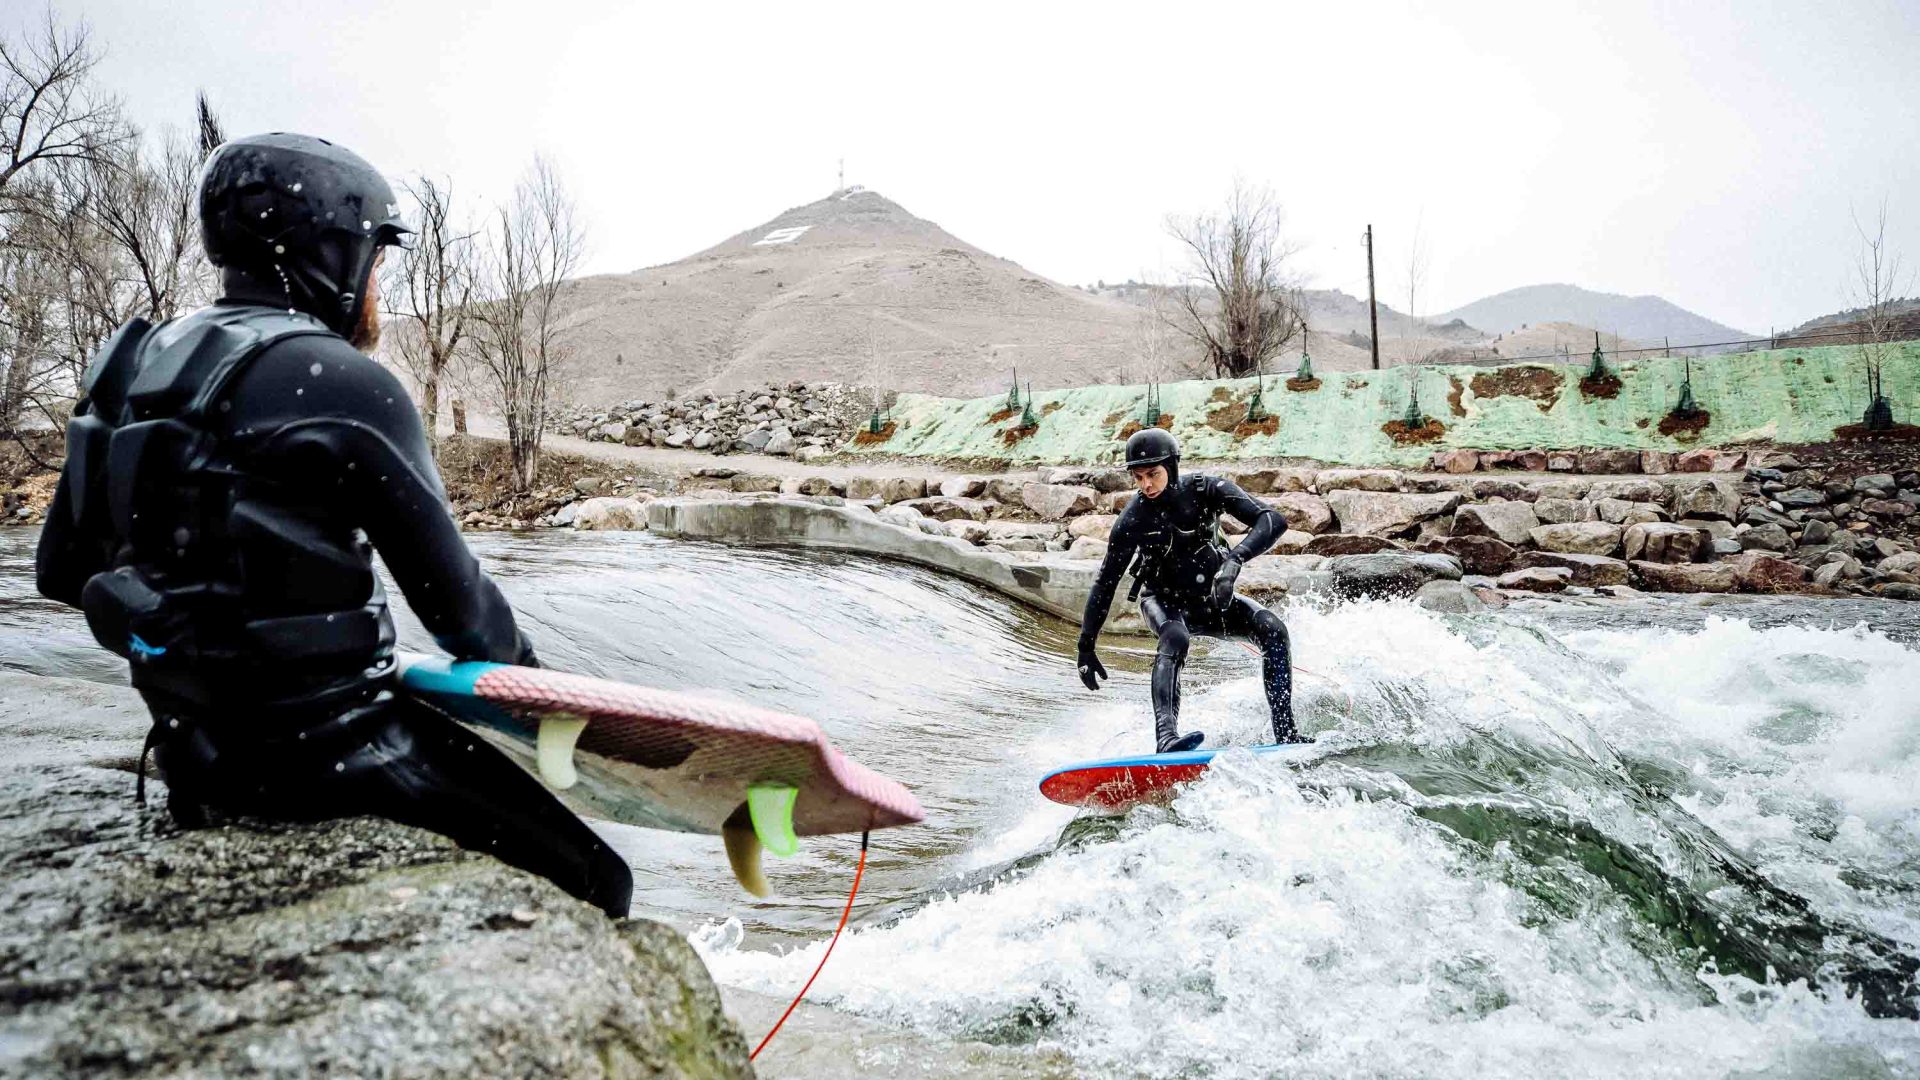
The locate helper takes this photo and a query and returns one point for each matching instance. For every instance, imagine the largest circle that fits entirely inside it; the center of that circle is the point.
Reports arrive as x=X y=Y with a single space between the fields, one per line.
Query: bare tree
x=1156 y=339
x=49 y=108
x=1876 y=290
x=1238 y=304
x=434 y=280
x=533 y=248
x=212 y=134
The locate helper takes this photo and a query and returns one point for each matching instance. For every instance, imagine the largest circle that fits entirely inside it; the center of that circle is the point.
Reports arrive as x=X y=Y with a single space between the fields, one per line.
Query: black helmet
x=292 y=214
x=1152 y=446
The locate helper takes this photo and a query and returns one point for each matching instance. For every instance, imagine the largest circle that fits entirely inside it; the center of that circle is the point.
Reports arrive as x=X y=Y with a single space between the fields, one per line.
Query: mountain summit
x=852 y=288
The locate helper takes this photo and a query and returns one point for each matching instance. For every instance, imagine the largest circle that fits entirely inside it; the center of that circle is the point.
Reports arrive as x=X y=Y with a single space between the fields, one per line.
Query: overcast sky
x=1709 y=152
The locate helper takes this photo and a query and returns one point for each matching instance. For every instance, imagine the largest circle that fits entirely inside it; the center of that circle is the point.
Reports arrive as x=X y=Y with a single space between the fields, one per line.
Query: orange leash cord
x=848 y=910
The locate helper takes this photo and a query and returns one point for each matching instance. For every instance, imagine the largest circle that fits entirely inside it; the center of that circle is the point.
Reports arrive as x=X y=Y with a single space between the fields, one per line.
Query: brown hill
x=853 y=289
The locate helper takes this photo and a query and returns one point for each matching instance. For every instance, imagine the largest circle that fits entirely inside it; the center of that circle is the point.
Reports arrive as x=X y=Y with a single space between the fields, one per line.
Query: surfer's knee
x=1174 y=641
x=1270 y=629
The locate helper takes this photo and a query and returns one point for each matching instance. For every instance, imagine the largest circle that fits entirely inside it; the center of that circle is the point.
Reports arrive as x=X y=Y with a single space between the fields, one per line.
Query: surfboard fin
x=553 y=747
x=743 y=855
x=771 y=808
x=763 y=823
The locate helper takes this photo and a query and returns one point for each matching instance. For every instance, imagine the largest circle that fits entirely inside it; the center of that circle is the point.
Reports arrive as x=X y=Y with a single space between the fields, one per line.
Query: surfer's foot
x=1285 y=734
x=1174 y=744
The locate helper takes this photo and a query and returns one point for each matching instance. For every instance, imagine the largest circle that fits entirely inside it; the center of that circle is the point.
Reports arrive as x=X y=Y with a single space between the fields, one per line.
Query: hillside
x=852 y=288
x=1645 y=318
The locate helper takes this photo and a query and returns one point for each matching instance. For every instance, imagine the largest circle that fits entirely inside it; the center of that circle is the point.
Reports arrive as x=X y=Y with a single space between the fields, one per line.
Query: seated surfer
x=1169 y=532
x=230 y=474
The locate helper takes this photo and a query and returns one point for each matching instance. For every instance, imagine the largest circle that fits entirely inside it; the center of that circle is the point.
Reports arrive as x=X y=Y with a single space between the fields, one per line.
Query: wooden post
x=1373 y=307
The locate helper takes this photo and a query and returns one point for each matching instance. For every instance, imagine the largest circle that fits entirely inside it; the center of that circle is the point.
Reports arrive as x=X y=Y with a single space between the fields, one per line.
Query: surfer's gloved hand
x=1223 y=580
x=1091 y=669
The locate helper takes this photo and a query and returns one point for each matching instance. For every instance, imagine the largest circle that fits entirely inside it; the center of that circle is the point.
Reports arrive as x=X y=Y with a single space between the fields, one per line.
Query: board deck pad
x=1125 y=782
x=660 y=759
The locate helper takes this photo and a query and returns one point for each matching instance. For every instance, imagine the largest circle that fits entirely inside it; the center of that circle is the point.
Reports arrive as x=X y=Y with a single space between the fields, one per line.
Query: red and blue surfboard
x=1122 y=783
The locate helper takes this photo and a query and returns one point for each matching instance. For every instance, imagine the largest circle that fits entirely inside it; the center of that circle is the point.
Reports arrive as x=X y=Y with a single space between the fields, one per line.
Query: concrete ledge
x=1055 y=585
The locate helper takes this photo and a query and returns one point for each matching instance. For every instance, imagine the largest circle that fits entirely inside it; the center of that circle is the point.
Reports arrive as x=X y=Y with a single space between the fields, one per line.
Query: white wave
x=1258 y=928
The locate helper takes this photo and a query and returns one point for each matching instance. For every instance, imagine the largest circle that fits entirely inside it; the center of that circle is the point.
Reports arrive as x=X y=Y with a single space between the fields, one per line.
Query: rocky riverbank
x=1780 y=526
x=351 y=948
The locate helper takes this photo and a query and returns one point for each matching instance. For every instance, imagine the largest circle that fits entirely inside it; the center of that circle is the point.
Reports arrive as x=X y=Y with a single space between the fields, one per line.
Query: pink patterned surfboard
x=660 y=759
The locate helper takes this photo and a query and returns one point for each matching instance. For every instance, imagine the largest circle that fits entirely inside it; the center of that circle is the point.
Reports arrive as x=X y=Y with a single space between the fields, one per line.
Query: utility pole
x=1373 y=307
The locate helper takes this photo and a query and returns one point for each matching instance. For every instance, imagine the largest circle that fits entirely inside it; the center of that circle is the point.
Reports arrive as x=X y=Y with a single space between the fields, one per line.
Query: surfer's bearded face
x=366 y=336
x=1150 y=479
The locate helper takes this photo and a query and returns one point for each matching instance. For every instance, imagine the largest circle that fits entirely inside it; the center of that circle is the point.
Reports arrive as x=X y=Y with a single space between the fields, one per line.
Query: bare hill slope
x=852 y=288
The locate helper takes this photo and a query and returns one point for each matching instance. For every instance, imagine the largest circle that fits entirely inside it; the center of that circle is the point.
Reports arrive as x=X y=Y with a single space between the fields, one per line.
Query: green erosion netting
x=1783 y=395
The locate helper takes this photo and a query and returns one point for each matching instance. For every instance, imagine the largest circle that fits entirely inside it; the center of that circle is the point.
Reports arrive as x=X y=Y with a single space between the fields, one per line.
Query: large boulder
x=1657 y=462
x=1530 y=460
x=350 y=947
x=1307 y=513
x=1685 y=577
x=1801 y=497
x=1508 y=522
x=1714 y=500
x=1591 y=571
x=1758 y=572
x=1578 y=538
x=1705 y=460
x=1905 y=562
x=1086 y=547
x=1537 y=579
x=1490 y=490
x=754 y=482
x=610 y=514
x=1448 y=598
x=1389 y=574
x=1379 y=513
x=1455 y=461
x=1292 y=542
x=1057 y=502
x=780 y=441
x=1555 y=511
x=1477 y=554
x=1002 y=490
x=1610 y=462
x=1766 y=538
x=945 y=508
x=864 y=487
x=1569 y=488
x=963 y=487
x=1021 y=530
x=896 y=489
x=1661 y=542
x=1333 y=544
x=1641 y=490
x=1253 y=481
x=1357 y=480
x=1097 y=526
x=820 y=485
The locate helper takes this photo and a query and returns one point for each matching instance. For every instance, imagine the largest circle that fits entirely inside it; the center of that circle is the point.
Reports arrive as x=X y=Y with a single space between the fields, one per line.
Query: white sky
x=1709 y=152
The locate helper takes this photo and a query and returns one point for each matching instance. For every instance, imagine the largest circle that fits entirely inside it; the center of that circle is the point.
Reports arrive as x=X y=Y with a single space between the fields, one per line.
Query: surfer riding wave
x=1184 y=577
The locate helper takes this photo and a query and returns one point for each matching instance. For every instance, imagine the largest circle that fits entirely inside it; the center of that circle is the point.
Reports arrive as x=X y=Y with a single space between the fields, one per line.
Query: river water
x=1662 y=840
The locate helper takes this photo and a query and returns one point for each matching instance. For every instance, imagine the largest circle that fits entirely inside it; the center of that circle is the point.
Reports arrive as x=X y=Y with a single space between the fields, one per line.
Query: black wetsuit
x=1173 y=539
x=219 y=533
